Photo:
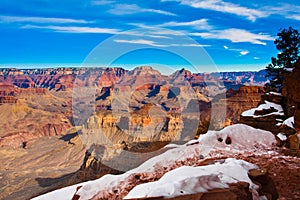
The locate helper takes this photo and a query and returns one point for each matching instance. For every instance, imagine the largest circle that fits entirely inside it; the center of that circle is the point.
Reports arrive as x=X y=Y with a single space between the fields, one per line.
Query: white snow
x=282 y=137
x=240 y=138
x=241 y=135
x=275 y=93
x=266 y=105
x=191 y=180
x=289 y=122
x=64 y=193
x=172 y=146
x=288 y=69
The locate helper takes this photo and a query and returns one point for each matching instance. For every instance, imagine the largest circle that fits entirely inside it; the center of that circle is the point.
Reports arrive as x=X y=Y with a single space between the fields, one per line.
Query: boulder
x=267 y=187
x=293 y=141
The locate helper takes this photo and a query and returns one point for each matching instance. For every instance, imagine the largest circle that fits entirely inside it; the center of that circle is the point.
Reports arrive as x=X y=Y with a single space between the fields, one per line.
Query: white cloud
x=126 y=9
x=256 y=58
x=295 y=17
x=158 y=36
x=102 y=2
x=197 y=24
x=140 y=41
x=152 y=31
x=166 y=32
x=289 y=11
x=286 y=10
x=243 y=53
x=189 y=45
x=225 y=7
x=157 y=29
x=142 y=33
x=236 y=36
x=11 y=19
x=155 y=44
x=158 y=11
x=74 y=29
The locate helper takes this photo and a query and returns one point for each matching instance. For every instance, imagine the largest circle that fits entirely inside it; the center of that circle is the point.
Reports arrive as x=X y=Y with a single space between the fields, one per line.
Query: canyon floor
x=45 y=164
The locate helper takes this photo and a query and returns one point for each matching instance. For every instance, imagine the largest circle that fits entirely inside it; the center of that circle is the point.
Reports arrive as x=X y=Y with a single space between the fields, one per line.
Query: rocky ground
x=46 y=163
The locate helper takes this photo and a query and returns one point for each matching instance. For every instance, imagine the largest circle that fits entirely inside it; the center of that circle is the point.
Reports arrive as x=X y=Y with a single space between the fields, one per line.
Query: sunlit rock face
x=31 y=113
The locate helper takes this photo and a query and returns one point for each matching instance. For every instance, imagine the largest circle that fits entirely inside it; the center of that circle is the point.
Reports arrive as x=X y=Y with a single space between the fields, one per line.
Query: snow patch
x=64 y=193
x=192 y=180
x=267 y=105
x=275 y=93
x=288 y=69
x=289 y=122
x=282 y=137
x=241 y=136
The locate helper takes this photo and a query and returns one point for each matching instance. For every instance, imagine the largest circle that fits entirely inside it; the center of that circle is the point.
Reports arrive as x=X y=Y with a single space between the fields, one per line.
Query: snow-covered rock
x=64 y=193
x=192 y=180
x=289 y=122
x=282 y=137
x=266 y=106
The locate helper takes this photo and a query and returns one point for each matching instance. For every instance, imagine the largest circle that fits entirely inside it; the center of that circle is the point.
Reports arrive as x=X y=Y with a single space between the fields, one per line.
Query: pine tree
x=288 y=44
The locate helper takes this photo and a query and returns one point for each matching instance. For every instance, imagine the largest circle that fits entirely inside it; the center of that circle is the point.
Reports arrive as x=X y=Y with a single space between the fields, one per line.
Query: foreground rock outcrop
x=279 y=112
x=266 y=116
x=291 y=90
x=237 y=141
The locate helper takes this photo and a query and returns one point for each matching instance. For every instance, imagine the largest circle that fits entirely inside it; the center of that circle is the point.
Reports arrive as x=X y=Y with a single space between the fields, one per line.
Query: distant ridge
x=62 y=78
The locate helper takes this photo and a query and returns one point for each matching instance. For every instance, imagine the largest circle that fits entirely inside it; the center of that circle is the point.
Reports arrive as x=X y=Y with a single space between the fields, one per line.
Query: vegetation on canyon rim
x=288 y=44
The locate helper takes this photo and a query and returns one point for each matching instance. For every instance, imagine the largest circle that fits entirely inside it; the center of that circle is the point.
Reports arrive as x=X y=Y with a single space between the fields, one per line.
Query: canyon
x=47 y=95
x=70 y=110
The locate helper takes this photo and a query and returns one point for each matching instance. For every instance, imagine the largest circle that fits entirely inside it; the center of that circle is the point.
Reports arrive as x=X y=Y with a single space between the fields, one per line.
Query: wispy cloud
x=126 y=9
x=236 y=36
x=241 y=51
x=144 y=33
x=74 y=29
x=12 y=19
x=156 y=44
x=197 y=24
x=191 y=45
x=102 y=2
x=256 y=58
x=167 y=32
x=153 y=31
x=286 y=10
x=225 y=7
x=295 y=17
x=140 y=41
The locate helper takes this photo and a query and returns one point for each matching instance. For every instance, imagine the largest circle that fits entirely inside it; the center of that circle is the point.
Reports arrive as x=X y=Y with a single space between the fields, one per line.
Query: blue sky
x=237 y=35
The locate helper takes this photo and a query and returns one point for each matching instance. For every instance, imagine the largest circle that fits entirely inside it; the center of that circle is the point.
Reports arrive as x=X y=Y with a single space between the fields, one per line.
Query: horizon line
x=213 y=67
